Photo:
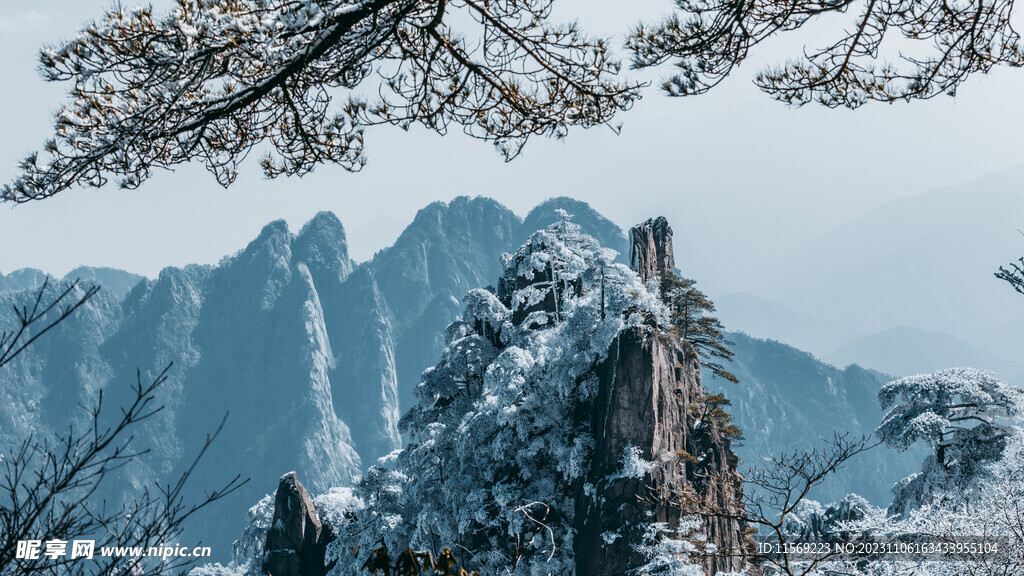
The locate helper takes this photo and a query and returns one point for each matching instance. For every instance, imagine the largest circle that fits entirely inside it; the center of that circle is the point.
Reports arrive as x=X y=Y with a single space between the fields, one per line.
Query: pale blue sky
x=740 y=176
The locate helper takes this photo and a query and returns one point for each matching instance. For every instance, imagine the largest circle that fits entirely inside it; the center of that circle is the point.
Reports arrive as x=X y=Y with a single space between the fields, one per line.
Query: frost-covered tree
x=980 y=530
x=940 y=44
x=964 y=414
x=498 y=447
x=669 y=551
x=212 y=79
x=958 y=412
x=992 y=514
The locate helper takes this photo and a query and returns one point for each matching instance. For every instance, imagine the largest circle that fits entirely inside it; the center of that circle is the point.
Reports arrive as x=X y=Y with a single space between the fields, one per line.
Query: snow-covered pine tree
x=964 y=414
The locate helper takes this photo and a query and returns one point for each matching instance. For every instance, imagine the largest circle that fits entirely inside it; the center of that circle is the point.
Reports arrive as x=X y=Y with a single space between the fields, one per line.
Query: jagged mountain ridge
x=304 y=348
x=314 y=356
x=248 y=337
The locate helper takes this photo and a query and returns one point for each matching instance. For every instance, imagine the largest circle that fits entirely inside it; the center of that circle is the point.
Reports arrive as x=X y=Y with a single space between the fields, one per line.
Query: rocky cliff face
x=251 y=338
x=258 y=350
x=649 y=388
x=651 y=252
x=365 y=382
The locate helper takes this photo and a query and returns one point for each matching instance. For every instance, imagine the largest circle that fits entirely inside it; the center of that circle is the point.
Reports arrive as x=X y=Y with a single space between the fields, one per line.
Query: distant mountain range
x=116 y=282
x=899 y=351
x=311 y=354
x=315 y=356
x=767 y=319
x=788 y=400
x=906 y=351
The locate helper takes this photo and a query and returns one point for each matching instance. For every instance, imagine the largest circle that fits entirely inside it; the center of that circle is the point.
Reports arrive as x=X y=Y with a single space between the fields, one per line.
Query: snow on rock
x=502 y=437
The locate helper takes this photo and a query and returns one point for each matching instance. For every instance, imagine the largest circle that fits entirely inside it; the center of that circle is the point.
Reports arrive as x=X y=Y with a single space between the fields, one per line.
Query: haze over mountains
x=923 y=264
x=906 y=288
x=900 y=351
x=787 y=399
x=315 y=356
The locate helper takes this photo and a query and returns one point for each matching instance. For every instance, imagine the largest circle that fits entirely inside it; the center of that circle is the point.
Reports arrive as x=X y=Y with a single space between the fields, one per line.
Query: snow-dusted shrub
x=338 y=507
x=218 y=569
x=633 y=463
x=812 y=521
x=673 y=552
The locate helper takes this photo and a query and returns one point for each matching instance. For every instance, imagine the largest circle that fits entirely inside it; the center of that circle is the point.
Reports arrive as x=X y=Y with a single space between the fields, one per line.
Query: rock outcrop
x=297 y=540
x=650 y=252
x=647 y=411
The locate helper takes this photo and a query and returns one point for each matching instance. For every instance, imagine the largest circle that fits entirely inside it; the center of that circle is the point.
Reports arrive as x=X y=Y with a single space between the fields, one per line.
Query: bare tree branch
x=772 y=493
x=35 y=318
x=48 y=487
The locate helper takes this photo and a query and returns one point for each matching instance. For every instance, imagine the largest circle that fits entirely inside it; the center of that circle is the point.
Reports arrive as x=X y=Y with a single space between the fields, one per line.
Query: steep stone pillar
x=297 y=541
x=645 y=414
x=650 y=251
